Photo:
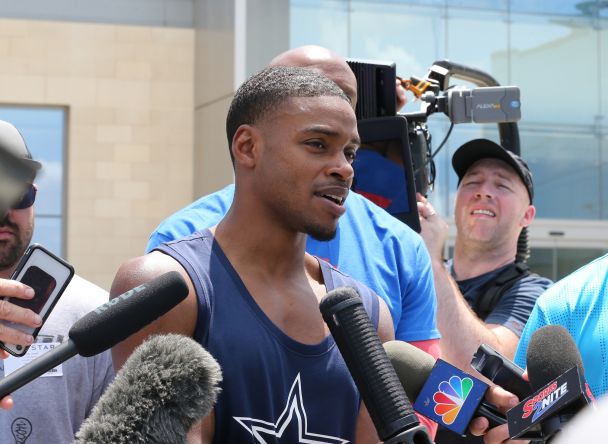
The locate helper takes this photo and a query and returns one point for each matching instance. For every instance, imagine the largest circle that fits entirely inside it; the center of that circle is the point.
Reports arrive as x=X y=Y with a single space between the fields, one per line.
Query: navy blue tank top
x=275 y=389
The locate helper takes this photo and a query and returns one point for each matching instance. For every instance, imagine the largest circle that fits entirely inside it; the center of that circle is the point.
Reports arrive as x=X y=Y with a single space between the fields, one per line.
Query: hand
x=14 y=313
x=505 y=401
x=6 y=403
x=401 y=95
x=434 y=230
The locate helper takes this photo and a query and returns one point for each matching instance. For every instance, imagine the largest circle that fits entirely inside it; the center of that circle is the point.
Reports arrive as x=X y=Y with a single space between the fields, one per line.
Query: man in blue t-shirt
x=493 y=204
x=370 y=245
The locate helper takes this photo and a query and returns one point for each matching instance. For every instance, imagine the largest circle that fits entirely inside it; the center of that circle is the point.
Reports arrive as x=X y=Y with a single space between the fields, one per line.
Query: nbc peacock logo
x=451 y=397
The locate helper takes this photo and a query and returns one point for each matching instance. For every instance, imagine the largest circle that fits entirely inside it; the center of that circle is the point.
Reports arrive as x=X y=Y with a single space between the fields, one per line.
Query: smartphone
x=49 y=276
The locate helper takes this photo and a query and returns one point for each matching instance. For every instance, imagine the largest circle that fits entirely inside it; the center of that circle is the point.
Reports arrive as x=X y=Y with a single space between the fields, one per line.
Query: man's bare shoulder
x=142 y=269
x=181 y=319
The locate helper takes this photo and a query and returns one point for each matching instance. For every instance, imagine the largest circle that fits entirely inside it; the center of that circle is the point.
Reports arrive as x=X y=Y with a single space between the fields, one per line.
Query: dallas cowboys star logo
x=294 y=409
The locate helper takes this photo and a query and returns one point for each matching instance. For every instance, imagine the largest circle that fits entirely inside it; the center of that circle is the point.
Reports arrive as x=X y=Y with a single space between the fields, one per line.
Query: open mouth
x=484 y=212
x=338 y=200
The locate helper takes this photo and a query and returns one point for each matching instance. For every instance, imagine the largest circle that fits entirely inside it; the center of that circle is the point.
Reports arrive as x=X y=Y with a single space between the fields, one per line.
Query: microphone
x=556 y=374
x=389 y=408
x=164 y=387
x=106 y=326
x=440 y=391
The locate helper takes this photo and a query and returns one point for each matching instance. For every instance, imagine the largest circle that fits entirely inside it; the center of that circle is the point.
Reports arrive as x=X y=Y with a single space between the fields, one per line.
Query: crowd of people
x=258 y=255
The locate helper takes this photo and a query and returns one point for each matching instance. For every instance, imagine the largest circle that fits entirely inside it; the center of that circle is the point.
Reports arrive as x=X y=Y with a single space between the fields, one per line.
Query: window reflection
x=556 y=263
x=556 y=52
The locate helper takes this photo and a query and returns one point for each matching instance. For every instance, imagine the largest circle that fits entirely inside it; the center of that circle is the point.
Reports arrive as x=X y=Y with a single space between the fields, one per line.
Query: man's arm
x=181 y=319
x=461 y=330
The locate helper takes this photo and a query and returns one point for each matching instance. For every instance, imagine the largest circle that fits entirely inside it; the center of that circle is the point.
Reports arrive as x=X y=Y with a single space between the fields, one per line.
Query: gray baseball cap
x=12 y=141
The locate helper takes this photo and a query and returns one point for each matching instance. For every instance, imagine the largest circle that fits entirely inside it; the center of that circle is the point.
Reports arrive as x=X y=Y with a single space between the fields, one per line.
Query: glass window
x=393 y=32
x=556 y=52
x=320 y=22
x=557 y=263
x=566 y=174
x=554 y=61
x=562 y=7
x=44 y=132
x=479 y=39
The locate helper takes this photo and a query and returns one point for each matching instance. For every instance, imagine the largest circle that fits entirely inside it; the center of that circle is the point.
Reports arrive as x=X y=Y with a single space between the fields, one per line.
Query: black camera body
x=376 y=106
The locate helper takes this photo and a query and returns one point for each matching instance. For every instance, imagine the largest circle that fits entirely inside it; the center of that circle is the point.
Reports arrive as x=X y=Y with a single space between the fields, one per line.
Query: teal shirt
x=578 y=303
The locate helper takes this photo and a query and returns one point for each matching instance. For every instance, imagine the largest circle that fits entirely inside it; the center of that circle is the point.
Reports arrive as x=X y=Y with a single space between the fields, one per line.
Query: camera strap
x=492 y=292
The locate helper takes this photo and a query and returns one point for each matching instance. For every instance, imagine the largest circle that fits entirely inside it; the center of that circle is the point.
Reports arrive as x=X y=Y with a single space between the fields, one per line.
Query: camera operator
x=493 y=204
x=483 y=294
x=52 y=407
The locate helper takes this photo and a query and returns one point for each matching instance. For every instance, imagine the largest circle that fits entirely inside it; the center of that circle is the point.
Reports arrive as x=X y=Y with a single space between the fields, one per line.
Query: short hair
x=269 y=88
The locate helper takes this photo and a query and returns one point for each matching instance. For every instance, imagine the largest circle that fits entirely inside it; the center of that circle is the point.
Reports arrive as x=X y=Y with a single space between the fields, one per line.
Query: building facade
x=125 y=102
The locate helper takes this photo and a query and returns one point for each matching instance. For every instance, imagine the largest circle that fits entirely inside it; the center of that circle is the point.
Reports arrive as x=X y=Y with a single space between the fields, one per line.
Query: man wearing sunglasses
x=52 y=407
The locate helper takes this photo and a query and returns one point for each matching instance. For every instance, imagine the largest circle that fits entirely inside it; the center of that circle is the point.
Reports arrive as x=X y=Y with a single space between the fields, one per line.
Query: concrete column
x=234 y=39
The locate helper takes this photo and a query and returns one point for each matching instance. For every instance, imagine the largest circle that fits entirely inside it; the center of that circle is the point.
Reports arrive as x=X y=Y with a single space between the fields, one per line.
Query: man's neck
x=269 y=251
x=472 y=261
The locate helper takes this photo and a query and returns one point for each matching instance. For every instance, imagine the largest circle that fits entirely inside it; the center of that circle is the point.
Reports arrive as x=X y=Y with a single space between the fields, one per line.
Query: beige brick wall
x=130 y=95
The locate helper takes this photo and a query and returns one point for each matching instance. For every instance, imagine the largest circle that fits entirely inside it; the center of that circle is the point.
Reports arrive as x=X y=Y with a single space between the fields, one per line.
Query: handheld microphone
x=375 y=377
x=164 y=387
x=441 y=392
x=556 y=374
x=106 y=326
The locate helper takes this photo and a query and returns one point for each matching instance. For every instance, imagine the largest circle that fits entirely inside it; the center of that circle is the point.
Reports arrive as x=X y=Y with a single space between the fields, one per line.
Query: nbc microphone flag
x=450 y=397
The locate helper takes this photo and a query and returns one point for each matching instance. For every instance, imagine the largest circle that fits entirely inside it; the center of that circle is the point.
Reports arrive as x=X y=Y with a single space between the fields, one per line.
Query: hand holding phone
x=48 y=275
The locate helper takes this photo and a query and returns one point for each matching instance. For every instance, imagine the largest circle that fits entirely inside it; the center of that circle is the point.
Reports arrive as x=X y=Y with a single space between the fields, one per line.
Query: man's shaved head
x=323 y=60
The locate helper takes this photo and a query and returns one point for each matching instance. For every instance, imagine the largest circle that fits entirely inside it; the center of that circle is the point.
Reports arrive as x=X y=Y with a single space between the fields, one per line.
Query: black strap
x=491 y=293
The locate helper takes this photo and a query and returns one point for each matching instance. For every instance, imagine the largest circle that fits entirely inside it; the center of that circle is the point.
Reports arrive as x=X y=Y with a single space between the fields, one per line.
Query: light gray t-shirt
x=50 y=409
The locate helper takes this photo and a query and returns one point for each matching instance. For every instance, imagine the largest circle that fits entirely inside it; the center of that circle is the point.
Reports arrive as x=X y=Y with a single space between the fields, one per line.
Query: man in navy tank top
x=254 y=291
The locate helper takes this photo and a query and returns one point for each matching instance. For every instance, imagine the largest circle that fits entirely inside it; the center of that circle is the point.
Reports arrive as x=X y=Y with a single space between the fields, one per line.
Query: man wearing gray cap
x=15 y=170
x=52 y=407
x=483 y=294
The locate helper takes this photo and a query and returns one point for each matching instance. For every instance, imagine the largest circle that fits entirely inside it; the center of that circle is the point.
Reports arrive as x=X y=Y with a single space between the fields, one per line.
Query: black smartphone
x=49 y=276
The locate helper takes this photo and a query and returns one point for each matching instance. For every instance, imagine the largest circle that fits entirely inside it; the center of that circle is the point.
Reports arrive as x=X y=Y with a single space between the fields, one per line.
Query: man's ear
x=528 y=216
x=245 y=146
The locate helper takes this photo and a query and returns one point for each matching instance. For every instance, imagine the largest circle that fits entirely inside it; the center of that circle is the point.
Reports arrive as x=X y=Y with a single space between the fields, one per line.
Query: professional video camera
x=396 y=159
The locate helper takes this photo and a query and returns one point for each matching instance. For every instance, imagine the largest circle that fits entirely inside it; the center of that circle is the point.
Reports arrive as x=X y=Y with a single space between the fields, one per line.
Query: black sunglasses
x=27 y=200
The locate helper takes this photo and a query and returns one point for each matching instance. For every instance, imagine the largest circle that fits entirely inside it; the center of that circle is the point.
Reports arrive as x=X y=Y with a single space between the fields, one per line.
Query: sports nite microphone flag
x=551 y=399
x=450 y=397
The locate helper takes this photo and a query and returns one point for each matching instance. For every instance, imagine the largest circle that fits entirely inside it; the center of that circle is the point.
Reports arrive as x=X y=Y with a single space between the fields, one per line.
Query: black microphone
x=556 y=374
x=375 y=377
x=106 y=326
x=167 y=384
x=414 y=368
